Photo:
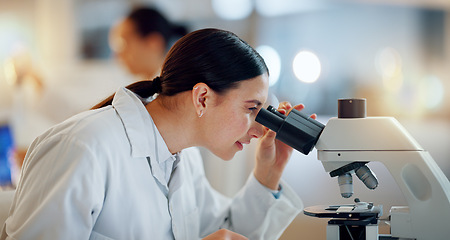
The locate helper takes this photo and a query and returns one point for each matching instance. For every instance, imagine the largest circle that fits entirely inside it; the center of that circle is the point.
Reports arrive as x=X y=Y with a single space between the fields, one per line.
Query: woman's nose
x=256 y=130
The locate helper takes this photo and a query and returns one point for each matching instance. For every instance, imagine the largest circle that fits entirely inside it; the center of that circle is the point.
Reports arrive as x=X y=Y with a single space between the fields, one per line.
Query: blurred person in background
x=141 y=40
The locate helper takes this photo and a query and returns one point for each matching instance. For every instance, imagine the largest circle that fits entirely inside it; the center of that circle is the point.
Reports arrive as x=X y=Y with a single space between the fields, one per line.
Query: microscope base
x=349 y=221
x=348 y=229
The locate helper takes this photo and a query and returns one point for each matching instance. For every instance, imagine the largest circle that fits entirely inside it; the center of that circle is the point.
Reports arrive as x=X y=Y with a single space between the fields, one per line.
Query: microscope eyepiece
x=296 y=129
x=270 y=118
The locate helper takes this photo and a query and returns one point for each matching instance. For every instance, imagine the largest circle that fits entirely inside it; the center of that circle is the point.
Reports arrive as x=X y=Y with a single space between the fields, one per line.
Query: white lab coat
x=98 y=175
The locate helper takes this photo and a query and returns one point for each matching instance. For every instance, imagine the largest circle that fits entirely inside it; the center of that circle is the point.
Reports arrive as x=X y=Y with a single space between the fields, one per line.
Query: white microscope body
x=423 y=184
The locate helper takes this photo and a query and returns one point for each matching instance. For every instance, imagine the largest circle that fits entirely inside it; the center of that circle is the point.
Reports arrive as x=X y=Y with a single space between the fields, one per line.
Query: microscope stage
x=342 y=211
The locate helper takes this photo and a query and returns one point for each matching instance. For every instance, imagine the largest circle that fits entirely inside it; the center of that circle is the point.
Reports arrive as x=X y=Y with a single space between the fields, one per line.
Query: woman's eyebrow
x=258 y=103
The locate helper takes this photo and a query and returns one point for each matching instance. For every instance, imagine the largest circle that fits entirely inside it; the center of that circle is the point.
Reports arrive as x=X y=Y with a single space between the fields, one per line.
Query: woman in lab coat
x=126 y=169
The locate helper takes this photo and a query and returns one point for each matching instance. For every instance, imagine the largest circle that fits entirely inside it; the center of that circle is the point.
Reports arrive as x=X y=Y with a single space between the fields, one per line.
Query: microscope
x=344 y=146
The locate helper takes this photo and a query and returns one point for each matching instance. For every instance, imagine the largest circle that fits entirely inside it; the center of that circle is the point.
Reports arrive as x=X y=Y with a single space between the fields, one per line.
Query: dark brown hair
x=218 y=58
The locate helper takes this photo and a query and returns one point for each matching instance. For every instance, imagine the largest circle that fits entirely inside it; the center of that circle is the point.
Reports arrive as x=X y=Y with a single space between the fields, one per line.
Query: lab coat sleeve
x=254 y=212
x=60 y=193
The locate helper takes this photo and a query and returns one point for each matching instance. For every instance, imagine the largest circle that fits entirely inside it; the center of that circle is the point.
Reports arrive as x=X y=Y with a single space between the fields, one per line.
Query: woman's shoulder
x=81 y=138
x=89 y=127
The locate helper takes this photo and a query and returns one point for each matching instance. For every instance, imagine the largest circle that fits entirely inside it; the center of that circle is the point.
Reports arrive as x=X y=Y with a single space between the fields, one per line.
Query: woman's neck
x=174 y=117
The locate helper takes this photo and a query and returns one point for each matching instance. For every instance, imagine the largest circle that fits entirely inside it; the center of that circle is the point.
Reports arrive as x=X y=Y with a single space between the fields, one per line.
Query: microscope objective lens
x=367 y=177
x=345 y=182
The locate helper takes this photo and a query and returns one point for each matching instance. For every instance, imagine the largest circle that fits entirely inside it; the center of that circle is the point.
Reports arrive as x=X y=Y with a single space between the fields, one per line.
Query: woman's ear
x=201 y=96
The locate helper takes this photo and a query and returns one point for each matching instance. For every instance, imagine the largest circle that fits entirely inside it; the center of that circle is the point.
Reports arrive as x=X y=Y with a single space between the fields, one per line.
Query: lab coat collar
x=145 y=139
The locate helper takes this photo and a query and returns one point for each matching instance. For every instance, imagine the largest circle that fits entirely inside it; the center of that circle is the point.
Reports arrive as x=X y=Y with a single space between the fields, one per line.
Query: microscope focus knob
x=352 y=108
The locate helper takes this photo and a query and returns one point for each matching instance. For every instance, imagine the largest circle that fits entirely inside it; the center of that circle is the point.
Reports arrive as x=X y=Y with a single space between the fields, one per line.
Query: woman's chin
x=225 y=156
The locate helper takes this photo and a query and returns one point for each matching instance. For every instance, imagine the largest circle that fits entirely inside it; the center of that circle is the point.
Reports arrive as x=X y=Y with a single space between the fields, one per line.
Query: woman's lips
x=239 y=145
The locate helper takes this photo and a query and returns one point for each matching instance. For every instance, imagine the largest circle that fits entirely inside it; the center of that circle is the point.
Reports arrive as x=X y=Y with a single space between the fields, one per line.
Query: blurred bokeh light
x=273 y=62
x=307 y=66
x=232 y=9
x=432 y=92
x=389 y=65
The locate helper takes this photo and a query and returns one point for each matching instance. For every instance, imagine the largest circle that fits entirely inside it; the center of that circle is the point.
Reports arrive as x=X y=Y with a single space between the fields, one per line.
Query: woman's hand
x=225 y=234
x=272 y=155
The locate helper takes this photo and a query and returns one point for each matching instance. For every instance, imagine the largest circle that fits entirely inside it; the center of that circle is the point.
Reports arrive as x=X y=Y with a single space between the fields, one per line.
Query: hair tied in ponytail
x=156 y=84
